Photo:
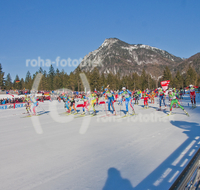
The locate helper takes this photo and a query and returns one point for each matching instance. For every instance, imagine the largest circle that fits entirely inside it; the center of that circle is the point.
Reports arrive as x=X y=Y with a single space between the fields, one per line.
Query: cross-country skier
x=120 y=99
x=152 y=96
x=174 y=100
x=146 y=97
x=34 y=103
x=162 y=97
x=92 y=98
x=192 y=96
x=127 y=95
x=28 y=105
x=85 y=103
x=109 y=94
x=181 y=93
x=136 y=96
x=72 y=104
x=66 y=101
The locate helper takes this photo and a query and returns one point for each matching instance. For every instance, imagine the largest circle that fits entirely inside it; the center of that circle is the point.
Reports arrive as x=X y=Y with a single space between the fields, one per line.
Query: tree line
x=56 y=79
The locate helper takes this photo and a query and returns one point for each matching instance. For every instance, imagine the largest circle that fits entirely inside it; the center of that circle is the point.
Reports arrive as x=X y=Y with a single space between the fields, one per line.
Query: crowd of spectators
x=12 y=100
x=21 y=100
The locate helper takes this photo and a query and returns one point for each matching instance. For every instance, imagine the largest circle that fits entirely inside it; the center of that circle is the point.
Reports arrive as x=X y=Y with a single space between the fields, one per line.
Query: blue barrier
x=19 y=105
x=9 y=106
x=3 y=107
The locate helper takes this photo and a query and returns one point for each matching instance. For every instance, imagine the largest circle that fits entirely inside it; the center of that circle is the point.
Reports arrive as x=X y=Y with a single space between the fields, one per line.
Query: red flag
x=165 y=84
x=11 y=94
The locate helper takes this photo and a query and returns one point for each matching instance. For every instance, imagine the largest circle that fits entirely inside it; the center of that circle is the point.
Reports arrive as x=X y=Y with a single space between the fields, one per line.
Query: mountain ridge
x=114 y=56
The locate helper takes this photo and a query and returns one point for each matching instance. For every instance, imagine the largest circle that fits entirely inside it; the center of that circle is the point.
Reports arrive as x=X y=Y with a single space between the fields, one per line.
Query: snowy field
x=56 y=151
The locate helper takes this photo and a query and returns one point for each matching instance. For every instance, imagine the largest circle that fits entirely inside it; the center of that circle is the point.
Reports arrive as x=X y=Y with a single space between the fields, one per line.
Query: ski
x=31 y=116
x=127 y=116
x=159 y=109
x=167 y=115
x=81 y=115
x=108 y=115
x=144 y=108
x=187 y=113
x=92 y=115
x=66 y=113
x=174 y=113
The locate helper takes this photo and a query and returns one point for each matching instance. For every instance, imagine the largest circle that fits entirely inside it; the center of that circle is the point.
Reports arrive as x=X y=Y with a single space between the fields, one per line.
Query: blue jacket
x=126 y=94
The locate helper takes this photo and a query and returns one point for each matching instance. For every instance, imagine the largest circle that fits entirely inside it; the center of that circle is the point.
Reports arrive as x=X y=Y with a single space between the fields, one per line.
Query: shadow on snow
x=192 y=130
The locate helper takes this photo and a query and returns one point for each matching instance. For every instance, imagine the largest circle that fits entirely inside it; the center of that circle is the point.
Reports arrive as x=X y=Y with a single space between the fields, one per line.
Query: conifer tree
x=178 y=80
x=103 y=82
x=40 y=70
x=72 y=81
x=8 y=82
x=28 y=81
x=167 y=74
x=144 y=82
x=17 y=83
x=110 y=81
x=117 y=79
x=95 y=80
x=65 y=79
x=135 y=81
x=191 y=76
x=2 y=81
x=22 y=84
x=57 y=83
x=44 y=82
x=51 y=76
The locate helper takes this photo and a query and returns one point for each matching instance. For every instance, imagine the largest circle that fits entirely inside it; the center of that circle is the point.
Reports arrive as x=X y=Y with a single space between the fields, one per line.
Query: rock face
x=193 y=61
x=115 y=56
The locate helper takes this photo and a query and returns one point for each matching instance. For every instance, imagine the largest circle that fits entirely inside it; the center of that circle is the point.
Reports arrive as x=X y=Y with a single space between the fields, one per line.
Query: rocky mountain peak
x=115 y=56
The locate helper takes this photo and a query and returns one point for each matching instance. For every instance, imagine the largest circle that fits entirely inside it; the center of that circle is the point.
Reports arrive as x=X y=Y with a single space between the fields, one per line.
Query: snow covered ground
x=55 y=151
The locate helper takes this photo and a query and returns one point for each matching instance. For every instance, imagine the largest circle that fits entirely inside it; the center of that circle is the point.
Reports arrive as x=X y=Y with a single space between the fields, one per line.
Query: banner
x=20 y=105
x=11 y=106
x=165 y=84
x=3 y=107
x=6 y=106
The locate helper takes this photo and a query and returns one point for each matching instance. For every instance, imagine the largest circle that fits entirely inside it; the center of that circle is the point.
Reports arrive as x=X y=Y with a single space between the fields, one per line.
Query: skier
x=92 y=98
x=109 y=95
x=72 y=104
x=174 y=100
x=152 y=96
x=161 y=95
x=192 y=96
x=146 y=97
x=85 y=103
x=34 y=103
x=28 y=105
x=127 y=95
x=181 y=93
x=139 y=92
x=136 y=96
x=120 y=99
x=131 y=103
x=66 y=101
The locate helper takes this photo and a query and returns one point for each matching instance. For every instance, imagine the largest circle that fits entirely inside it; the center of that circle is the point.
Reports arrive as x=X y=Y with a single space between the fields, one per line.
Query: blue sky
x=71 y=29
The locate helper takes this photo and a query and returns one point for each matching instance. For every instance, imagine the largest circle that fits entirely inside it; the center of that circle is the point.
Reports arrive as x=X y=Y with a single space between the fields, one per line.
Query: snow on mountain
x=115 y=56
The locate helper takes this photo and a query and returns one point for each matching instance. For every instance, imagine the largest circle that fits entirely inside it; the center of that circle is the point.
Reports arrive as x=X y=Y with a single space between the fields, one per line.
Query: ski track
x=150 y=155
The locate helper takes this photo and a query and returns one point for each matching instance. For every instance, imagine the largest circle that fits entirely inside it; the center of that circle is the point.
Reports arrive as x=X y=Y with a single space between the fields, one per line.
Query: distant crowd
x=11 y=100
x=20 y=100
